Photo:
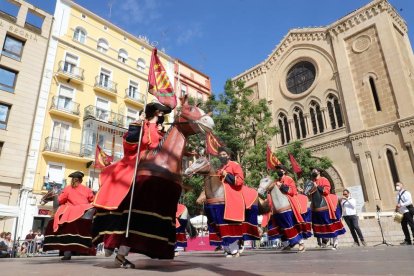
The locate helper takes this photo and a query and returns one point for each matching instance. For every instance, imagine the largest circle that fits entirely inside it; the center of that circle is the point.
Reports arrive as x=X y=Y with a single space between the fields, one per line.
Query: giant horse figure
x=156 y=193
x=284 y=222
x=326 y=221
x=221 y=230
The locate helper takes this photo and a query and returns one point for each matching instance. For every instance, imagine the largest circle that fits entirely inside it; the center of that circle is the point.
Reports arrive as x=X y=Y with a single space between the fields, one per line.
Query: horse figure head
x=213 y=187
x=51 y=195
x=310 y=189
x=280 y=201
x=200 y=166
x=166 y=160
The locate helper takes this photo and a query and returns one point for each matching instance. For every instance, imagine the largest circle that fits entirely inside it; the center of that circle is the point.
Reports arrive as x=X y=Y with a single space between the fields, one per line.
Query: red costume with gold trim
x=116 y=179
x=331 y=199
x=238 y=197
x=74 y=202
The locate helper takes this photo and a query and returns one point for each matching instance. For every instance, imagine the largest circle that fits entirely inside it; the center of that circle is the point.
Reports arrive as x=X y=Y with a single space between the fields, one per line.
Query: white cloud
x=136 y=11
x=188 y=34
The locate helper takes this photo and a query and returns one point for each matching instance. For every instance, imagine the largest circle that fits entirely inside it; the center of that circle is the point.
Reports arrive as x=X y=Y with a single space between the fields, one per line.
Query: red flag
x=295 y=165
x=159 y=84
x=271 y=159
x=212 y=144
x=101 y=158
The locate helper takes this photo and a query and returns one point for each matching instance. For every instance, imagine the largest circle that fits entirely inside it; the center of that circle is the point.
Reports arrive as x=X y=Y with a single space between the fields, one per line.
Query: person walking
x=350 y=216
x=404 y=204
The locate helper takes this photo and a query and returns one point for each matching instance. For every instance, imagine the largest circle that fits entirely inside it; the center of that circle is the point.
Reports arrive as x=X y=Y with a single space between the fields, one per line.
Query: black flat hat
x=283 y=167
x=152 y=107
x=76 y=174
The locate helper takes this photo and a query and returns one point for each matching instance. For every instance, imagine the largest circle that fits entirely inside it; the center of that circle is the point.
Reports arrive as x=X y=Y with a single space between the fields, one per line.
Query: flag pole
x=137 y=159
x=94 y=162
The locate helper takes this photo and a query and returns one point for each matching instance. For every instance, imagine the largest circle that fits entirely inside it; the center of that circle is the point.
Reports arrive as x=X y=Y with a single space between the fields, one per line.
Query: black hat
x=283 y=167
x=152 y=107
x=226 y=149
x=77 y=174
x=316 y=168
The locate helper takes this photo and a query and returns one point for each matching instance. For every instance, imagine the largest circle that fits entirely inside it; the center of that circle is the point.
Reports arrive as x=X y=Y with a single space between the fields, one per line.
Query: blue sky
x=223 y=38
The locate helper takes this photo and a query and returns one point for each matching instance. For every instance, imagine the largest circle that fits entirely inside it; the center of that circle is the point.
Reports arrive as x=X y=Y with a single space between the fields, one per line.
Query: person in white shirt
x=403 y=200
x=351 y=218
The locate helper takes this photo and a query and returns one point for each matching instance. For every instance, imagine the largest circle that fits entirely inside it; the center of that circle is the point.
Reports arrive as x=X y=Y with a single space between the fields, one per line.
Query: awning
x=199 y=221
x=7 y=211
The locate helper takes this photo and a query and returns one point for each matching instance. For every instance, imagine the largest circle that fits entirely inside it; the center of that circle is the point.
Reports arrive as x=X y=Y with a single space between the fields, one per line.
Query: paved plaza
x=381 y=260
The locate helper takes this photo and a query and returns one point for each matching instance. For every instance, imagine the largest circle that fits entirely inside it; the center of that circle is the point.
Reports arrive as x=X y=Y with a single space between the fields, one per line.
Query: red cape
x=74 y=203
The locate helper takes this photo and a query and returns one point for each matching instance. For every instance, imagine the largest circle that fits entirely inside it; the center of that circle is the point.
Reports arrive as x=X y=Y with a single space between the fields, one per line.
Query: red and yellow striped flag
x=159 y=84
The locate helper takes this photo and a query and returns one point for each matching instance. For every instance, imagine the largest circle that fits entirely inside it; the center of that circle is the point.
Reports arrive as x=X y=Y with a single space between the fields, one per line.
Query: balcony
x=104 y=86
x=65 y=149
x=70 y=73
x=109 y=117
x=64 y=108
x=49 y=184
x=134 y=97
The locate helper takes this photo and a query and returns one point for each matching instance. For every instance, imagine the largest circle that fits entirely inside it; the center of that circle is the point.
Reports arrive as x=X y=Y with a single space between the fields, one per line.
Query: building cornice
x=331 y=144
x=320 y=33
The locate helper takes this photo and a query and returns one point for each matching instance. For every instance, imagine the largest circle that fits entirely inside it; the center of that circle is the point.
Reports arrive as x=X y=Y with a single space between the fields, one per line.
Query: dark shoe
x=123 y=262
x=66 y=258
x=405 y=243
x=364 y=243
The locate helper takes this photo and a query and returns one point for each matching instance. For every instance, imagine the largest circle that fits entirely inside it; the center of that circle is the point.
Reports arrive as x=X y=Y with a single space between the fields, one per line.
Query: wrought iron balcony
x=105 y=86
x=66 y=106
x=134 y=96
x=49 y=185
x=70 y=72
x=62 y=146
x=112 y=118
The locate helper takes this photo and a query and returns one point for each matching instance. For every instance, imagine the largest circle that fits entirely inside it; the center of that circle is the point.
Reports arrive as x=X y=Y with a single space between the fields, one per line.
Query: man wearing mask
x=348 y=204
x=294 y=225
x=326 y=223
x=404 y=204
x=238 y=213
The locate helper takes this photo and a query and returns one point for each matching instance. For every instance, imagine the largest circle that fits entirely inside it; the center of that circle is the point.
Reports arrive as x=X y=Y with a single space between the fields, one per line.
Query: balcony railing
x=136 y=96
x=104 y=116
x=49 y=185
x=70 y=107
x=105 y=84
x=70 y=70
x=63 y=146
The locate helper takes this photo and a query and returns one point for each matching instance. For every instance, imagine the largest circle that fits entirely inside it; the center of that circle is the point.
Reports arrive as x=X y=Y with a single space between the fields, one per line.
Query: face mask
x=398 y=188
x=314 y=175
x=280 y=173
x=223 y=160
x=160 y=120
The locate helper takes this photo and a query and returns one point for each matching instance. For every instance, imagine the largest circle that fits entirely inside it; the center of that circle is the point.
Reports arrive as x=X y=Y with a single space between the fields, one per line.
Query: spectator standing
x=404 y=204
x=39 y=238
x=3 y=246
x=350 y=216
x=30 y=242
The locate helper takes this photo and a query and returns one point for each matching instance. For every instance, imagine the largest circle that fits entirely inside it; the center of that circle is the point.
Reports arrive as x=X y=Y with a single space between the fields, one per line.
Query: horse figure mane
x=51 y=195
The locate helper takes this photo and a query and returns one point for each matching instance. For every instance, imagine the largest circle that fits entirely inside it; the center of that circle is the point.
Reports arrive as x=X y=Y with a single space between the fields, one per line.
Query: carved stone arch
x=367 y=76
x=384 y=149
x=293 y=106
x=281 y=111
x=329 y=92
x=315 y=99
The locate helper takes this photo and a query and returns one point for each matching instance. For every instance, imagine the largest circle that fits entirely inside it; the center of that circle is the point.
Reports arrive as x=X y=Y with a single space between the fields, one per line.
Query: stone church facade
x=347 y=92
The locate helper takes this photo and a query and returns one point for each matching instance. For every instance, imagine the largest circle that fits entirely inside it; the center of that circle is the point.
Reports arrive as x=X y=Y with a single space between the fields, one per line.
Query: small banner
x=271 y=159
x=212 y=144
x=102 y=159
x=295 y=165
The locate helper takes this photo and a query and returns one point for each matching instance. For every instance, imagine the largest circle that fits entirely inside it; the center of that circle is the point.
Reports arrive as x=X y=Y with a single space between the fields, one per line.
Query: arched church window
x=284 y=128
x=316 y=118
x=374 y=93
x=334 y=110
x=392 y=166
x=299 y=121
